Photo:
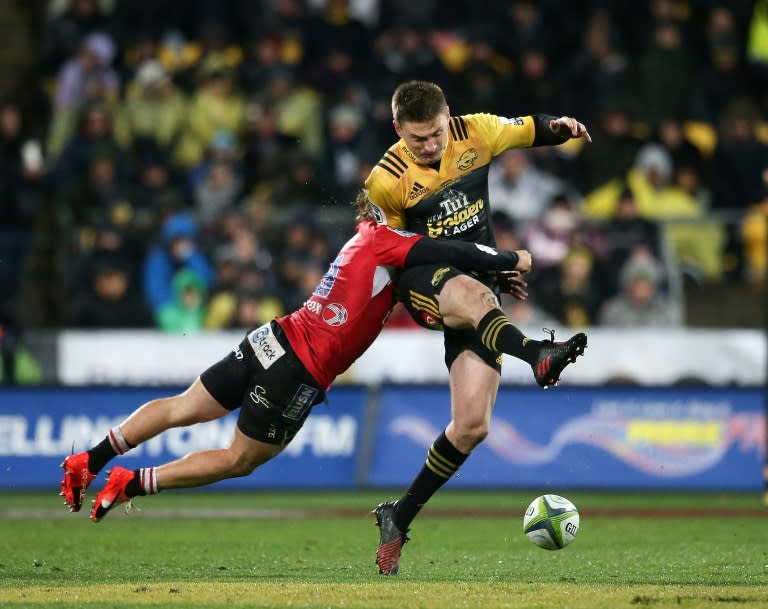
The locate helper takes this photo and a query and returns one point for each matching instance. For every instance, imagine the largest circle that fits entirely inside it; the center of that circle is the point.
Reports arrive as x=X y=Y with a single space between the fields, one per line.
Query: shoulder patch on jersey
x=512 y=121
x=393 y=164
x=458 y=128
x=378 y=213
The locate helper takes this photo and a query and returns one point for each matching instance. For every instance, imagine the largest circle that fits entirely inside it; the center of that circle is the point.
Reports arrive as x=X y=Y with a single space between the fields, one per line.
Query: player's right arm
x=467 y=256
x=401 y=249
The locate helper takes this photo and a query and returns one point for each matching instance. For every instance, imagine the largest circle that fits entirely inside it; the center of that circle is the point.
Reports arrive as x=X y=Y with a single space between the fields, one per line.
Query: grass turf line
x=139 y=560
x=381 y=595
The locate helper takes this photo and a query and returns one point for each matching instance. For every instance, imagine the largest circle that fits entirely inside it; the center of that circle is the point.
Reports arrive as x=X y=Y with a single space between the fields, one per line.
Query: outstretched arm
x=551 y=130
x=467 y=256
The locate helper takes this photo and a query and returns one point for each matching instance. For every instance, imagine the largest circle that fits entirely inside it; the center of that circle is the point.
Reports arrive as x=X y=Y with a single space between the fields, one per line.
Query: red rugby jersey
x=348 y=308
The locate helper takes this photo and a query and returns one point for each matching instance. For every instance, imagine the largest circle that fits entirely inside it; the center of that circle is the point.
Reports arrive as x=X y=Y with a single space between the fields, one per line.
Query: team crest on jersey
x=335 y=314
x=467 y=159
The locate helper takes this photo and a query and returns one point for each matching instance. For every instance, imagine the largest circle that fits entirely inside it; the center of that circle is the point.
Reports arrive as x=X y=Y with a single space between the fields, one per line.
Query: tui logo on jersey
x=456 y=215
x=335 y=314
x=467 y=159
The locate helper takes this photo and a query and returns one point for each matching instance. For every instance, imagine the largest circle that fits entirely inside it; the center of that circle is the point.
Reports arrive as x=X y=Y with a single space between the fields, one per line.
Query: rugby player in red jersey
x=281 y=369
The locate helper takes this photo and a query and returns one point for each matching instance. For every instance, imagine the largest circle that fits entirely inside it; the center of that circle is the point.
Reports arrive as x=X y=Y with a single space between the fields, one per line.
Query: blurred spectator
x=725 y=78
x=100 y=193
x=505 y=232
x=267 y=152
x=665 y=68
x=254 y=308
x=219 y=192
x=216 y=106
x=550 y=238
x=298 y=110
x=534 y=88
x=685 y=155
x=17 y=365
x=345 y=149
x=262 y=57
x=153 y=112
x=569 y=291
x=93 y=138
x=158 y=193
x=177 y=250
x=598 y=70
x=640 y=304
x=740 y=159
x=104 y=240
x=335 y=38
x=22 y=173
x=754 y=235
x=186 y=311
x=650 y=183
x=108 y=300
x=526 y=314
x=520 y=25
x=626 y=231
x=519 y=189
x=614 y=150
x=65 y=31
x=89 y=75
x=483 y=79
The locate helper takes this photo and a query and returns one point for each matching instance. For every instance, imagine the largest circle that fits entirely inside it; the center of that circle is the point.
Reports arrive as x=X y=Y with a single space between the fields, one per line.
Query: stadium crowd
x=196 y=159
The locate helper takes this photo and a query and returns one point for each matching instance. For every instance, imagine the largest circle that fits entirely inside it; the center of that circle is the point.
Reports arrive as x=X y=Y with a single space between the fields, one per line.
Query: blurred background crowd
x=189 y=164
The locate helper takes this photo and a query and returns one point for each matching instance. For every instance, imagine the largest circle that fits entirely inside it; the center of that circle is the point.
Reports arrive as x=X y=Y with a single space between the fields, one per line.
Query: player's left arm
x=551 y=130
x=501 y=133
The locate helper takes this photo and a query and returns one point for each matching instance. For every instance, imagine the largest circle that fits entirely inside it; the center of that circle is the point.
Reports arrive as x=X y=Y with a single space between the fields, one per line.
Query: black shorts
x=264 y=378
x=417 y=288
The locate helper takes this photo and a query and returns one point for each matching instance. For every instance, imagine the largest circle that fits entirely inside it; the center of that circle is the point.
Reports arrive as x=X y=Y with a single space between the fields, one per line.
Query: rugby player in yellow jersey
x=433 y=181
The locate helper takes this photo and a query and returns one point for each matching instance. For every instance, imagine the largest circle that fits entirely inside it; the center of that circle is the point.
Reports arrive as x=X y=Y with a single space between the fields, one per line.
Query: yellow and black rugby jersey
x=452 y=201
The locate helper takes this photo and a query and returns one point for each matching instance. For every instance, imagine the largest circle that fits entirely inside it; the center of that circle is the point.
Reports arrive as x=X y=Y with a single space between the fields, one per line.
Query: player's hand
x=512 y=282
x=568 y=127
x=523 y=261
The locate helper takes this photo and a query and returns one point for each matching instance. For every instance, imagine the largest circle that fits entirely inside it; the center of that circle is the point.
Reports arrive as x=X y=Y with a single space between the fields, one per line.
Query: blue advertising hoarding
x=40 y=426
x=640 y=438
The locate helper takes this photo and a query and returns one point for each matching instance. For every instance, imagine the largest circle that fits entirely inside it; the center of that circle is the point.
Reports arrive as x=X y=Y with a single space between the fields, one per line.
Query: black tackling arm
x=461 y=254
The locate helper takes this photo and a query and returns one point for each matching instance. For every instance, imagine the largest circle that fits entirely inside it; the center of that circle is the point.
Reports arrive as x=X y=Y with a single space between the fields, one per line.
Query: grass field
x=208 y=549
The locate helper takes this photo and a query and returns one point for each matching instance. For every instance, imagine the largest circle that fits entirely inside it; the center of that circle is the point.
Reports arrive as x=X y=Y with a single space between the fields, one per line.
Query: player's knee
x=470 y=433
x=466 y=299
x=243 y=465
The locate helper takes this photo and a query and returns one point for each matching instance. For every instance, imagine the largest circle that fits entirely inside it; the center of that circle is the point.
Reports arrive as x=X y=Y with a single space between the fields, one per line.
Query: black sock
x=443 y=460
x=100 y=455
x=134 y=488
x=497 y=333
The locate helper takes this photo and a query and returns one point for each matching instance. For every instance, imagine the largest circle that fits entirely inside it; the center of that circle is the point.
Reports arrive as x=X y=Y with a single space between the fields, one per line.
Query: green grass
x=707 y=551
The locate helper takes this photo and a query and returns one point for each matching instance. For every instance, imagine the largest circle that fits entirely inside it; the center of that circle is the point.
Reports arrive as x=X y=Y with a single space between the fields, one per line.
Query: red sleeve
x=391 y=245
